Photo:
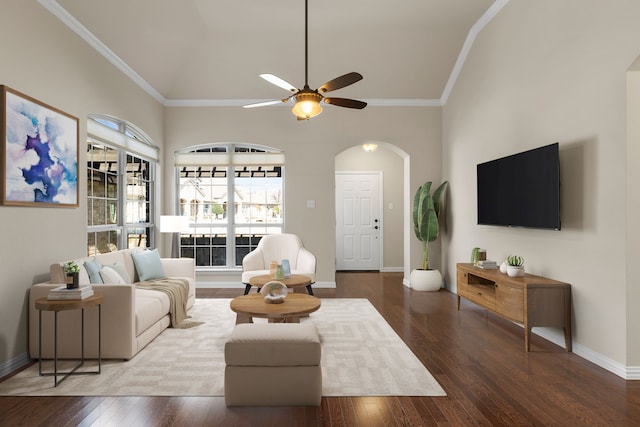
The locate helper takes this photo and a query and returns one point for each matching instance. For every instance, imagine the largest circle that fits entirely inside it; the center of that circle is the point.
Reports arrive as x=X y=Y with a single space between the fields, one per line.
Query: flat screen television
x=521 y=190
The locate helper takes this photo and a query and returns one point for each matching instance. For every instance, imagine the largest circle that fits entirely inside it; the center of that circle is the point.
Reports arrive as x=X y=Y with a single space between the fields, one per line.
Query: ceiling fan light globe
x=307 y=106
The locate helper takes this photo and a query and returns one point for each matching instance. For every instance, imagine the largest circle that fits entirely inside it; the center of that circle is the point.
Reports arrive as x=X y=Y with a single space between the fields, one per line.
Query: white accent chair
x=276 y=247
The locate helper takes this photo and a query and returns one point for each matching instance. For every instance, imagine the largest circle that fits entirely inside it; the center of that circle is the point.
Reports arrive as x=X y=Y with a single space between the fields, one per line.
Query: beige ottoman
x=273 y=364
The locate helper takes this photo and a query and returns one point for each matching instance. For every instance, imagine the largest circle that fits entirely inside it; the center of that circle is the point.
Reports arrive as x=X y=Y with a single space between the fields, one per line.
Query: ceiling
x=210 y=52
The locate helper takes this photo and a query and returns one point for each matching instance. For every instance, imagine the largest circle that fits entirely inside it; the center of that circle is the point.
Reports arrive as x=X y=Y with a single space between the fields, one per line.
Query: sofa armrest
x=117 y=318
x=254 y=260
x=179 y=267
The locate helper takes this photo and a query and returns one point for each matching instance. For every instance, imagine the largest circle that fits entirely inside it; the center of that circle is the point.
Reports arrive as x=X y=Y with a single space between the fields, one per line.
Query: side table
x=43 y=304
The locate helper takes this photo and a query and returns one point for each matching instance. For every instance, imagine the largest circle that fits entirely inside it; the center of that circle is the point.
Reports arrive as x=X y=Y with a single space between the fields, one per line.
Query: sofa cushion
x=151 y=306
x=148 y=265
x=93 y=269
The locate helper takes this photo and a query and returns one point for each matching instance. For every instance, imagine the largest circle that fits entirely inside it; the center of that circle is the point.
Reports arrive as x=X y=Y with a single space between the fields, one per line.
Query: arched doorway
x=391 y=164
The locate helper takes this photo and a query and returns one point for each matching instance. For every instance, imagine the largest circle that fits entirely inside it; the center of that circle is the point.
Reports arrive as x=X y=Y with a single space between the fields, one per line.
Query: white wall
x=43 y=59
x=543 y=72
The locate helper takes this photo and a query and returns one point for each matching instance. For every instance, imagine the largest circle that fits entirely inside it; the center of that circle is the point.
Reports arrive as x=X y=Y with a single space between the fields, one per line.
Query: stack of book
x=62 y=293
x=487 y=264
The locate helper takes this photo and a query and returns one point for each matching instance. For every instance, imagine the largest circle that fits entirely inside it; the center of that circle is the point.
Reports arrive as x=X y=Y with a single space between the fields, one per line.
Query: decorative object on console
x=503 y=267
x=515 y=266
x=73 y=273
x=274 y=292
x=475 y=255
x=42 y=143
x=487 y=264
x=426 y=212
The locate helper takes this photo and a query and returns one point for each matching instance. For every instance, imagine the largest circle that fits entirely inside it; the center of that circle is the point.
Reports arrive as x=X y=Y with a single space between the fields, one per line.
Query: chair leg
x=309 y=290
x=247 y=288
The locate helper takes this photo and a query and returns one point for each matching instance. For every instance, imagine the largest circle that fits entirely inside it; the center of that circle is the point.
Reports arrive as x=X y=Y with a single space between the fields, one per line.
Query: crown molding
x=466 y=47
x=61 y=13
x=241 y=102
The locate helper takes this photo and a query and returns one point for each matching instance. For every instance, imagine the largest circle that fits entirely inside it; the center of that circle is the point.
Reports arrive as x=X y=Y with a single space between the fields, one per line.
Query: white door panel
x=358 y=222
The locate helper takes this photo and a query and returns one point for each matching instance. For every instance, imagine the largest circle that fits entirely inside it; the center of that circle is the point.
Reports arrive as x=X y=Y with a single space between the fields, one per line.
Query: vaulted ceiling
x=199 y=52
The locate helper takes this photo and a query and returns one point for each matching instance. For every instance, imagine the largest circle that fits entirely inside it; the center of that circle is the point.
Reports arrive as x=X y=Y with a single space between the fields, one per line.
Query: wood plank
x=476 y=356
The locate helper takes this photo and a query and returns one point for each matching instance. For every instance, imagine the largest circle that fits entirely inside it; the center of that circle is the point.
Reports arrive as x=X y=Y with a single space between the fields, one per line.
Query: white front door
x=358 y=221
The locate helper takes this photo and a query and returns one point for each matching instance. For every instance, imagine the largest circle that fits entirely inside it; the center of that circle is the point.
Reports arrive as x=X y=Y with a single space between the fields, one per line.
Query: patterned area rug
x=361 y=356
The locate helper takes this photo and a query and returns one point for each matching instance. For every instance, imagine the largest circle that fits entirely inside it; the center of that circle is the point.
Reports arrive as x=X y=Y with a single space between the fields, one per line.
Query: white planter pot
x=515 y=271
x=425 y=280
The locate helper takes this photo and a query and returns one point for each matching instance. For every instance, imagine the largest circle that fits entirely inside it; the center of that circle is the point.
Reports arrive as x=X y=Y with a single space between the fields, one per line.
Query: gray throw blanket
x=178 y=292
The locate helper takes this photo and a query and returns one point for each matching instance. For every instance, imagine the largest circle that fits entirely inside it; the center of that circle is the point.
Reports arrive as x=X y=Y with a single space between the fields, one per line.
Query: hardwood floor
x=477 y=357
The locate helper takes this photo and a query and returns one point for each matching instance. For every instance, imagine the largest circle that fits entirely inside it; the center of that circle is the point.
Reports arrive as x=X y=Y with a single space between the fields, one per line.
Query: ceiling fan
x=307 y=100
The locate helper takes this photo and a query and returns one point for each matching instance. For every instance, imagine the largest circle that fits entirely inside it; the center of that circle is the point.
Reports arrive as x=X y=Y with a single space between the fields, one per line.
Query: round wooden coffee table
x=294 y=306
x=294 y=281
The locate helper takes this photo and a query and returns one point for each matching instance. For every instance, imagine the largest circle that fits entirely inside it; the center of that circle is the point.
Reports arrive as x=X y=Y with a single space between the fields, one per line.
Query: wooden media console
x=529 y=300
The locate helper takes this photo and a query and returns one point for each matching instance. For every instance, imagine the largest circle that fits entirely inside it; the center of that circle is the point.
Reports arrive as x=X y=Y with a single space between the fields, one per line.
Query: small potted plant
x=515 y=266
x=73 y=272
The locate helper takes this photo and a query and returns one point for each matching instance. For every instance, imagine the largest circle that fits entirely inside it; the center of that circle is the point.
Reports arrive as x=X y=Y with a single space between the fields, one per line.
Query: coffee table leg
x=243 y=318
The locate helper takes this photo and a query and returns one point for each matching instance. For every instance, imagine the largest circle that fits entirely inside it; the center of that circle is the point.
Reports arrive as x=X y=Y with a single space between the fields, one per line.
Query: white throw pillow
x=111 y=276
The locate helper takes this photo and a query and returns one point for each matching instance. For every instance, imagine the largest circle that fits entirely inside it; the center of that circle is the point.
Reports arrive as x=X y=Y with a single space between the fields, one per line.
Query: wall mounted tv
x=521 y=190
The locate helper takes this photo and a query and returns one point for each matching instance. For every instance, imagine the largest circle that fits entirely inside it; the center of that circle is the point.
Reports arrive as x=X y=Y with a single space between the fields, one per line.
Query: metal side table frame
x=43 y=304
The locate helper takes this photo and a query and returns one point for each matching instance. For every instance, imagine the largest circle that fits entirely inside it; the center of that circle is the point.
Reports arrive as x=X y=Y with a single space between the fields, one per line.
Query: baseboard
x=14 y=364
x=234 y=284
x=392 y=269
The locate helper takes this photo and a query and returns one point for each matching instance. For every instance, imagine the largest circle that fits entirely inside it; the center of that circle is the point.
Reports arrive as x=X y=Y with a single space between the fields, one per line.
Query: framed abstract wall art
x=39 y=153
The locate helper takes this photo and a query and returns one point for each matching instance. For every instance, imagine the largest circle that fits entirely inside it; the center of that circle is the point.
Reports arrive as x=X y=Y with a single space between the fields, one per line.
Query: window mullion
x=231 y=218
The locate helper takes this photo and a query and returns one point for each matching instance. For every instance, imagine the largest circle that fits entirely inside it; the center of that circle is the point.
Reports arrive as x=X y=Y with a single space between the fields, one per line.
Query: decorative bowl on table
x=274 y=292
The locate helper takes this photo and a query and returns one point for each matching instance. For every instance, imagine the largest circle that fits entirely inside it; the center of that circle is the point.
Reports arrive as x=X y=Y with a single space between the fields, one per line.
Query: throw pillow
x=110 y=275
x=122 y=271
x=93 y=269
x=148 y=265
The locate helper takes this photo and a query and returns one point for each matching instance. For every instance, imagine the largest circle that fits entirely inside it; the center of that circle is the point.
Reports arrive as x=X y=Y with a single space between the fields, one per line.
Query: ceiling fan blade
x=340 y=82
x=265 y=103
x=344 y=102
x=273 y=79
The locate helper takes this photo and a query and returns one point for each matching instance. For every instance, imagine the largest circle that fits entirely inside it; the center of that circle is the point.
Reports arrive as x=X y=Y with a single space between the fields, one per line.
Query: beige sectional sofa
x=131 y=317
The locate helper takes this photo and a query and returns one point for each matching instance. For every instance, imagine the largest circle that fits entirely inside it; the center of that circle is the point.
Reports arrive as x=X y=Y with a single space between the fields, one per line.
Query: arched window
x=233 y=195
x=121 y=163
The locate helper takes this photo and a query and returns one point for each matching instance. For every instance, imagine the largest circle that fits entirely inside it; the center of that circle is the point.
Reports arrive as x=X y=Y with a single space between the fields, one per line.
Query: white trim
x=242 y=102
x=61 y=13
x=392 y=269
x=466 y=47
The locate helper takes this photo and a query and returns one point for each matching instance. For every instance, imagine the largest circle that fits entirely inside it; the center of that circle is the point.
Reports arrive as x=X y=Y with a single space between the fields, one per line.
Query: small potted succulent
x=515 y=266
x=73 y=272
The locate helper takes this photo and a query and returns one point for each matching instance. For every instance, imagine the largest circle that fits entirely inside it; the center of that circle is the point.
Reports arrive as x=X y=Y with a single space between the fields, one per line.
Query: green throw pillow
x=148 y=265
x=93 y=269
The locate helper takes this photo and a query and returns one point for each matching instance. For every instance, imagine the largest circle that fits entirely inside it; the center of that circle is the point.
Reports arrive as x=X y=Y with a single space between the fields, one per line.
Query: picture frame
x=38 y=153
